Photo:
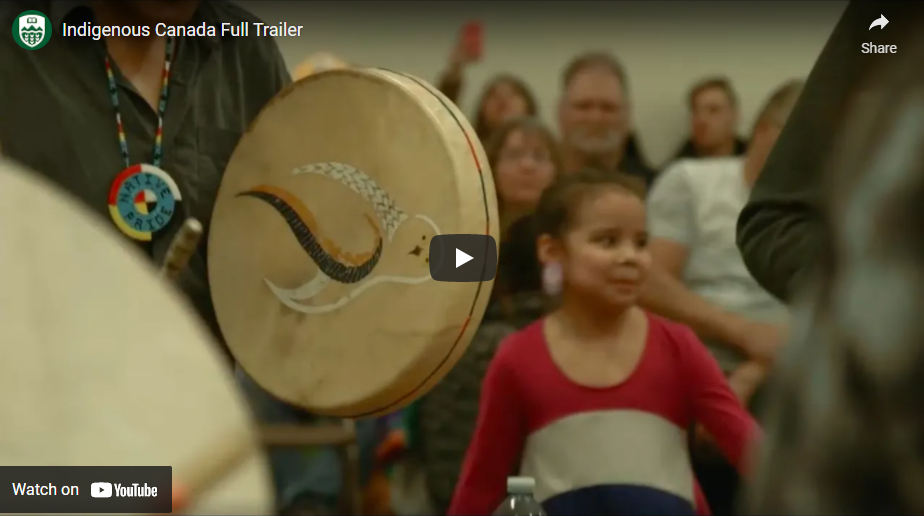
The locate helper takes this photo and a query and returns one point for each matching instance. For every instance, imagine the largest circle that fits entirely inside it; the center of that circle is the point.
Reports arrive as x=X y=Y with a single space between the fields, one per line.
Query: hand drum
x=320 y=238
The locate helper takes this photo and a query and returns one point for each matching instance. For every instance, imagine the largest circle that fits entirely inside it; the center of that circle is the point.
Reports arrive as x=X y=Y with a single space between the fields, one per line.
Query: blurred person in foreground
x=714 y=116
x=592 y=400
x=524 y=157
x=844 y=420
x=847 y=419
x=701 y=280
x=503 y=97
x=781 y=230
x=595 y=119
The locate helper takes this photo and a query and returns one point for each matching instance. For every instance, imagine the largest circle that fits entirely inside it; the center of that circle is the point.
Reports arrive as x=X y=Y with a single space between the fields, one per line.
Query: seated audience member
x=594 y=118
x=700 y=279
x=505 y=96
x=525 y=161
x=713 y=107
x=592 y=399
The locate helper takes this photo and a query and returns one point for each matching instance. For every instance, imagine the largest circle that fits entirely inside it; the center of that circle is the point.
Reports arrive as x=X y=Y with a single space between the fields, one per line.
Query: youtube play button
x=463 y=258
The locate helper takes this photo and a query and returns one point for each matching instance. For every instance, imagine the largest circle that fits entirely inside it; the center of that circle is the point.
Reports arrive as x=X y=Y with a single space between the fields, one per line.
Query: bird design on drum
x=336 y=265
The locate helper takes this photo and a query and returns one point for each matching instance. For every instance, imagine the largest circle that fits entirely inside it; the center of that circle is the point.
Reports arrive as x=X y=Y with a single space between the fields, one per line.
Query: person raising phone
x=504 y=97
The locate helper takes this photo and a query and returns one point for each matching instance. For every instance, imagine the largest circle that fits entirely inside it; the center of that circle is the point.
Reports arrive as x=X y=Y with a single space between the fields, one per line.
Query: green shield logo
x=31 y=30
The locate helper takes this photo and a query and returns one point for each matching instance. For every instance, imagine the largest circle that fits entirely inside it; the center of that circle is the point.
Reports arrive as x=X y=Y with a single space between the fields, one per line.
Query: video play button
x=462 y=258
x=475 y=258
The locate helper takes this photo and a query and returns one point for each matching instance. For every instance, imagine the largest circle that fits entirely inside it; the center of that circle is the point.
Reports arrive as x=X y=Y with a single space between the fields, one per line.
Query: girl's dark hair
x=845 y=425
x=561 y=200
x=518 y=265
x=481 y=125
x=529 y=125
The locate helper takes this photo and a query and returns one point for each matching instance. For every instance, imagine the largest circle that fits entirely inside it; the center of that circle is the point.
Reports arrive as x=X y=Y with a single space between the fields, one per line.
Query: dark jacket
x=780 y=230
x=635 y=163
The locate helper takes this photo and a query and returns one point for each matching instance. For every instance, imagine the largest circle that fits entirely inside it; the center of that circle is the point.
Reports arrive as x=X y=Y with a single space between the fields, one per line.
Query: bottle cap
x=521 y=485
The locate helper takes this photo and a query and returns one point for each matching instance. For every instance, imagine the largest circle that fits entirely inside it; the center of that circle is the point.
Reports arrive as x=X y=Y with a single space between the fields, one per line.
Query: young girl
x=593 y=401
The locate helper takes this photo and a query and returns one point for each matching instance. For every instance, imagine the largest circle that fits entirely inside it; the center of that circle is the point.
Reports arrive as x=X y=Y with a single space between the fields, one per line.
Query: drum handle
x=213 y=464
x=182 y=249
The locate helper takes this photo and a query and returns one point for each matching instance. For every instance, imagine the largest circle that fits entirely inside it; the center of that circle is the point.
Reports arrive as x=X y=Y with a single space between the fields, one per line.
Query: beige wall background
x=665 y=46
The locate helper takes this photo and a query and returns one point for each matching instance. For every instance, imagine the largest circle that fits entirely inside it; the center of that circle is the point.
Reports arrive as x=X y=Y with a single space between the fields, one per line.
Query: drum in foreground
x=319 y=242
x=102 y=364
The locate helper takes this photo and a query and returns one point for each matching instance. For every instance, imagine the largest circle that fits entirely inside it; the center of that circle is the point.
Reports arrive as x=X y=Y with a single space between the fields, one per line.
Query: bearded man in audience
x=594 y=118
x=700 y=279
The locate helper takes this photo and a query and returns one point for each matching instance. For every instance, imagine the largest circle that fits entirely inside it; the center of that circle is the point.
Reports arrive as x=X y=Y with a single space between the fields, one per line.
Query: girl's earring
x=552 y=279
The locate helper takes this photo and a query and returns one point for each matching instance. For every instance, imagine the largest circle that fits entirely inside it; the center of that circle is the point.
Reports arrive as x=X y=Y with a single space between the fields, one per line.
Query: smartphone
x=473 y=39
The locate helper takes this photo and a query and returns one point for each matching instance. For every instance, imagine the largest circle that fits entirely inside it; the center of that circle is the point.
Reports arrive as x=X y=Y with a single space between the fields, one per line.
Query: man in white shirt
x=699 y=276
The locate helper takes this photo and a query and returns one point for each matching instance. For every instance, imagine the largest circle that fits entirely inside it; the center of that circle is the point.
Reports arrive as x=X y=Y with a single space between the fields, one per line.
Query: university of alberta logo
x=32 y=30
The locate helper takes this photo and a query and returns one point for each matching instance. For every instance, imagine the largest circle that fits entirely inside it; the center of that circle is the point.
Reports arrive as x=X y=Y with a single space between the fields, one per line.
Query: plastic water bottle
x=520 y=500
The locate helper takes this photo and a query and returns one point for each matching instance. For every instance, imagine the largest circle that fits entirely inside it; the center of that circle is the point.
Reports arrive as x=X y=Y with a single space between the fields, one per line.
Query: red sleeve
x=497 y=442
x=715 y=406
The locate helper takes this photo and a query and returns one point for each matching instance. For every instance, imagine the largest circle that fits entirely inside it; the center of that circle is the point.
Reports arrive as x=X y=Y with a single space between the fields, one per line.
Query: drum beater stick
x=181 y=249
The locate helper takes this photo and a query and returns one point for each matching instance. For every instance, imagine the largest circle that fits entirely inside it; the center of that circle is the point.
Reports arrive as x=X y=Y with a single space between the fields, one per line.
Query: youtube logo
x=101 y=490
x=463 y=258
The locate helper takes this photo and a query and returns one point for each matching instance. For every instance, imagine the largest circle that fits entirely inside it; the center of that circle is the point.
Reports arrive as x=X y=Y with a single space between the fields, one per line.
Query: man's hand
x=760 y=341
